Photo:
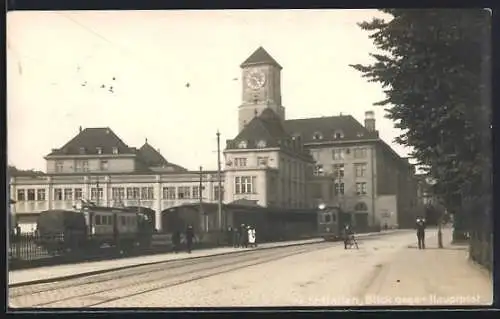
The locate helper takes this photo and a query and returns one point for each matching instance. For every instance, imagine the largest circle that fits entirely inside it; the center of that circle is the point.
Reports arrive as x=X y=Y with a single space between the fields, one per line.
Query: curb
x=102 y=271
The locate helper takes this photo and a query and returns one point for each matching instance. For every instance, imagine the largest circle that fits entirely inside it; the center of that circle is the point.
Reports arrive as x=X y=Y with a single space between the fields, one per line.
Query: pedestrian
x=243 y=236
x=229 y=236
x=251 y=236
x=421 y=232
x=347 y=235
x=176 y=241
x=189 y=238
x=236 y=237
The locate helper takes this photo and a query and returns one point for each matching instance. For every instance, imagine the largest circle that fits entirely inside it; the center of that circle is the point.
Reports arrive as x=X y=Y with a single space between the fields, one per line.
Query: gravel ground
x=314 y=275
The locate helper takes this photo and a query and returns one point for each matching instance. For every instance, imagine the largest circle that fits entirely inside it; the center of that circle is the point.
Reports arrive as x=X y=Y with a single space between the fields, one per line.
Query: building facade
x=271 y=162
x=97 y=166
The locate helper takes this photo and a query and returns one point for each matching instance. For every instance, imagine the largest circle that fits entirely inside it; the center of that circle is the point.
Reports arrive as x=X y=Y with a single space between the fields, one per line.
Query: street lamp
x=432 y=181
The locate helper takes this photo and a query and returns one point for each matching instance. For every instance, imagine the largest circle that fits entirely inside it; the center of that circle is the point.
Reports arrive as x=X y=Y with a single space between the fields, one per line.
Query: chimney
x=370 y=121
x=80 y=129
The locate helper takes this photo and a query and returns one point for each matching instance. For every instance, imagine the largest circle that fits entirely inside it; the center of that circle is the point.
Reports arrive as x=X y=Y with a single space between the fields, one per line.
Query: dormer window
x=359 y=134
x=338 y=135
x=261 y=144
x=115 y=150
x=242 y=144
x=317 y=136
x=82 y=150
x=99 y=150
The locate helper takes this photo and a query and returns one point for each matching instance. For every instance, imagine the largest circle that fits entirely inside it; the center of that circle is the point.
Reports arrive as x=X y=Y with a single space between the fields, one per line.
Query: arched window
x=317 y=136
x=242 y=144
x=360 y=207
x=261 y=144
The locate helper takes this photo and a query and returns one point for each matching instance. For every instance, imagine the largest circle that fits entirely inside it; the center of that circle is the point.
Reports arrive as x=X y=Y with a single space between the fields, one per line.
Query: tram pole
x=201 y=198
x=219 y=177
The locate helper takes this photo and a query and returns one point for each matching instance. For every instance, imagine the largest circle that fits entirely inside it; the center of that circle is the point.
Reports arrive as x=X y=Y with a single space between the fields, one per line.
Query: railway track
x=97 y=290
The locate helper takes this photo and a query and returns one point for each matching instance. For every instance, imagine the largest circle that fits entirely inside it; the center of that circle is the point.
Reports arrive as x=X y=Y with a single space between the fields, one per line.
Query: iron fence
x=23 y=247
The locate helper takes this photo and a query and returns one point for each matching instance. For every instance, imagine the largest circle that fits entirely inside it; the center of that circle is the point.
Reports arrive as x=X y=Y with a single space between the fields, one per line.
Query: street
x=386 y=270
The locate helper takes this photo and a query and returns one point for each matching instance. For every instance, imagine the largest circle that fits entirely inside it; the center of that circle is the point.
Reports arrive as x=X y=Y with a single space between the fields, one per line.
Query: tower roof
x=260 y=56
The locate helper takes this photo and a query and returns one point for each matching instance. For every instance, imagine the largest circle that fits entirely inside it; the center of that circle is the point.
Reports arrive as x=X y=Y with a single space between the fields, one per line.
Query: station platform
x=60 y=272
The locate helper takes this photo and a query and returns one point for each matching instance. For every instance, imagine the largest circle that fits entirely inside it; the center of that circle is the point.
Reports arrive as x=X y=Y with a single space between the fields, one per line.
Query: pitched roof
x=150 y=156
x=347 y=125
x=267 y=126
x=260 y=56
x=151 y=160
x=91 y=139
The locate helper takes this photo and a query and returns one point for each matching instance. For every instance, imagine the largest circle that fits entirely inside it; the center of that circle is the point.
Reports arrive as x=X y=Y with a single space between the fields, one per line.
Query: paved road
x=318 y=274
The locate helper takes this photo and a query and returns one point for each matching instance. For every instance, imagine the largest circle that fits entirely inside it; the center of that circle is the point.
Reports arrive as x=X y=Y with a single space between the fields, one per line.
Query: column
x=106 y=190
x=158 y=194
x=50 y=193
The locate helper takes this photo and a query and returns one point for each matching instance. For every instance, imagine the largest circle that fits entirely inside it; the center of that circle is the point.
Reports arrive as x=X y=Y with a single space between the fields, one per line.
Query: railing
x=23 y=247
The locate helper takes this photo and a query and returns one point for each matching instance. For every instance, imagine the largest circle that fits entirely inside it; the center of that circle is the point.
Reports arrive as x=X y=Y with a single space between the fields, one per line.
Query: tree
x=434 y=72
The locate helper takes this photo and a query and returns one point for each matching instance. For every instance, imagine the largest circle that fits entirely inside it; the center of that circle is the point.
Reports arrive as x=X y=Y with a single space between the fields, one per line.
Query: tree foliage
x=434 y=71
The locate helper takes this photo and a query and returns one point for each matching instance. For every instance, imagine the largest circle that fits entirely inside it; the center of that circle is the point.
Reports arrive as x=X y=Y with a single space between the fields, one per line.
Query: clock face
x=256 y=80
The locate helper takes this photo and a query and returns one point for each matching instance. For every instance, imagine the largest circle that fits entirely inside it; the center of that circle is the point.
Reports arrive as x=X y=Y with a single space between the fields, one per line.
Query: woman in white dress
x=251 y=236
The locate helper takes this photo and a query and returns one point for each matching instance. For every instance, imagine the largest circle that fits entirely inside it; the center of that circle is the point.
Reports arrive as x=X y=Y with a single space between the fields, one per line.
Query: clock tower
x=261 y=76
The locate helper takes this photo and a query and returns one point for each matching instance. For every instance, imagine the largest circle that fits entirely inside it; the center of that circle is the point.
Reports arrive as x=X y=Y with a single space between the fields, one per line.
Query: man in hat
x=420 y=225
x=189 y=238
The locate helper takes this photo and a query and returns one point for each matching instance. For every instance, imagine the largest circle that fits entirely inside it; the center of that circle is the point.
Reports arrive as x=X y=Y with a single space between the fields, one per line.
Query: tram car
x=331 y=221
x=92 y=227
x=271 y=224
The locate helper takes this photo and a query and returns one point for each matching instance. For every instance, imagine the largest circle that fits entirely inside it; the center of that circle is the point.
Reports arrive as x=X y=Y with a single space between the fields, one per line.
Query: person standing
x=243 y=236
x=189 y=238
x=176 y=241
x=235 y=237
x=229 y=236
x=421 y=232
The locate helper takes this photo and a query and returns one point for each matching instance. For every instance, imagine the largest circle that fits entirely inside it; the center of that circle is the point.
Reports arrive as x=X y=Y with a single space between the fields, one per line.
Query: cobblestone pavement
x=314 y=275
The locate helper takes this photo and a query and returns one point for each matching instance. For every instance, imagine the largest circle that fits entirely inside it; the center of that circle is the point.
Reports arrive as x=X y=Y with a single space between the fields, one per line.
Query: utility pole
x=201 y=197
x=97 y=191
x=219 y=208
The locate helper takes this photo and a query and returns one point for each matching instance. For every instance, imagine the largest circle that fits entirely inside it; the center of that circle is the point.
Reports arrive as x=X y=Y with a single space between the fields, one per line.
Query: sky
x=57 y=63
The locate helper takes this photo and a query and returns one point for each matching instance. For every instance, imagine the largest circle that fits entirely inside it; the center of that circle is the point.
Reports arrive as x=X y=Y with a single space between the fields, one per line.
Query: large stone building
x=354 y=168
x=272 y=161
x=97 y=165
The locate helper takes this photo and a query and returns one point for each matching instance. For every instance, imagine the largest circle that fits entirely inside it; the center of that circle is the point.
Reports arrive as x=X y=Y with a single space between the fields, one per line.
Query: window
x=168 y=192
x=40 y=194
x=99 y=150
x=115 y=150
x=317 y=136
x=244 y=184
x=59 y=166
x=97 y=220
x=31 y=194
x=96 y=193
x=338 y=135
x=360 y=153
x=241 y=162
x=183 y=192
x=117 y=193
x=78 y=194
x=361 y=188
x=360 y=170
x=262 y=160
x=242 y=144
x=103 y=165
x=68 y=194
x=81 y=166
x=338 y=171
x=123 y=220
x=318 y=170
x=82 y=150
x=360 y=207
x=58 y=194
x=133 y=192
x=261 y=144
x=339 y=189
x=147 y=193
x=196 y=192
x=216 y=192
x=338 y=153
